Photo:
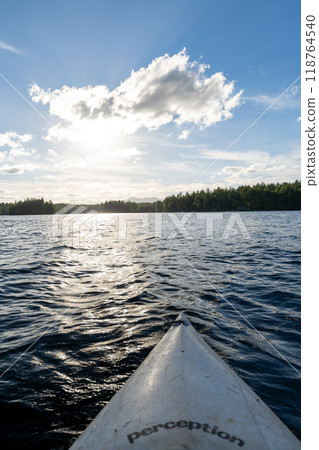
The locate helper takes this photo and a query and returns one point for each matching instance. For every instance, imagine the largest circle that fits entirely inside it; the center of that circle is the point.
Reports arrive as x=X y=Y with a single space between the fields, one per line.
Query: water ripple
x=111 y=301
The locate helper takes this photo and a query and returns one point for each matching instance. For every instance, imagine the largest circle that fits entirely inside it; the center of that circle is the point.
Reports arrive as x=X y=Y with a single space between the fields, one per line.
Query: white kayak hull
x=183 y=396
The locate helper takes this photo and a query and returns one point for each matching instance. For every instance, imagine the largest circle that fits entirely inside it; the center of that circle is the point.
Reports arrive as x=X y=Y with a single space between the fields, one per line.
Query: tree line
x=260 y=197
x=28 y=206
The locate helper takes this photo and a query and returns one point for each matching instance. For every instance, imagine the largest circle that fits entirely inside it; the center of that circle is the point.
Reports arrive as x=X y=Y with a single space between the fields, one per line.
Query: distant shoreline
x=260 y=197
x=164 y=212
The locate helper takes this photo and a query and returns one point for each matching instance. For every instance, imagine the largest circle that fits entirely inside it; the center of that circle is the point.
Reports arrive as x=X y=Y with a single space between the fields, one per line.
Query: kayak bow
x=183 y=396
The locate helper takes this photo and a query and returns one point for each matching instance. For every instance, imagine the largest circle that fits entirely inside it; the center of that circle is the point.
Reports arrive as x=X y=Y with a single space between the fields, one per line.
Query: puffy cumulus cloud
x=20 y=152
x=16 y=169
x=170 y=89
x=271 y=170
x=13 y=143
x=12 y=139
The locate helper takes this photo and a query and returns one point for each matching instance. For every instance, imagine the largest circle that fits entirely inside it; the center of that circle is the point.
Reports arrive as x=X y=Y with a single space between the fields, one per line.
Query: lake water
x=84 y=298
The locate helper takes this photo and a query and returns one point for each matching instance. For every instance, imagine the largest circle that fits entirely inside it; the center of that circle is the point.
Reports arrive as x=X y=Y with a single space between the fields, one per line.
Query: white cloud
x=243 y=170
x=291 y=99
x=70 y=164
x=172 y=89
x=16 y=169
x=251 y=167
x=127 y=153
x=14 y=143
x=52 y=153
x=8 y=47
x=4 y=191
x=49 y=177
x=271 y=170
x=54 y=134
x=222 y=155
x=184 y=134
x=20 y=152
x=12 y=139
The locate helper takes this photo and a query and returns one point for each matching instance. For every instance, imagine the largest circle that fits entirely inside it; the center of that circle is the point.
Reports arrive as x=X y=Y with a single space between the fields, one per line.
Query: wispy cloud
x=248 y=156
x=239 y=170
x=8 y=47
x=249 y=167
x=48 y=177
x=291 y=99
x=70 y=164
x=133 y=154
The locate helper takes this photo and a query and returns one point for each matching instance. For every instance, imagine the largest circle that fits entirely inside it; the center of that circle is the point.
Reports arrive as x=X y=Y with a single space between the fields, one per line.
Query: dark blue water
x=86 y=299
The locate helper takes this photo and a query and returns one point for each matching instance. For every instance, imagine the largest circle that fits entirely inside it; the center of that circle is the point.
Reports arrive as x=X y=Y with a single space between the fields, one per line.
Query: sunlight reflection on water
x=112 y=299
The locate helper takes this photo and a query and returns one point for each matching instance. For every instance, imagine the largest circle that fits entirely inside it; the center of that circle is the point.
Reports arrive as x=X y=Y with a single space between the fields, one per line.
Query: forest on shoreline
x=260 y=197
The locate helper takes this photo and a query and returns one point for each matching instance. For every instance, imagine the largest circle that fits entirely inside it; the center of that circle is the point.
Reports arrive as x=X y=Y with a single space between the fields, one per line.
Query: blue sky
x=151 y=94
